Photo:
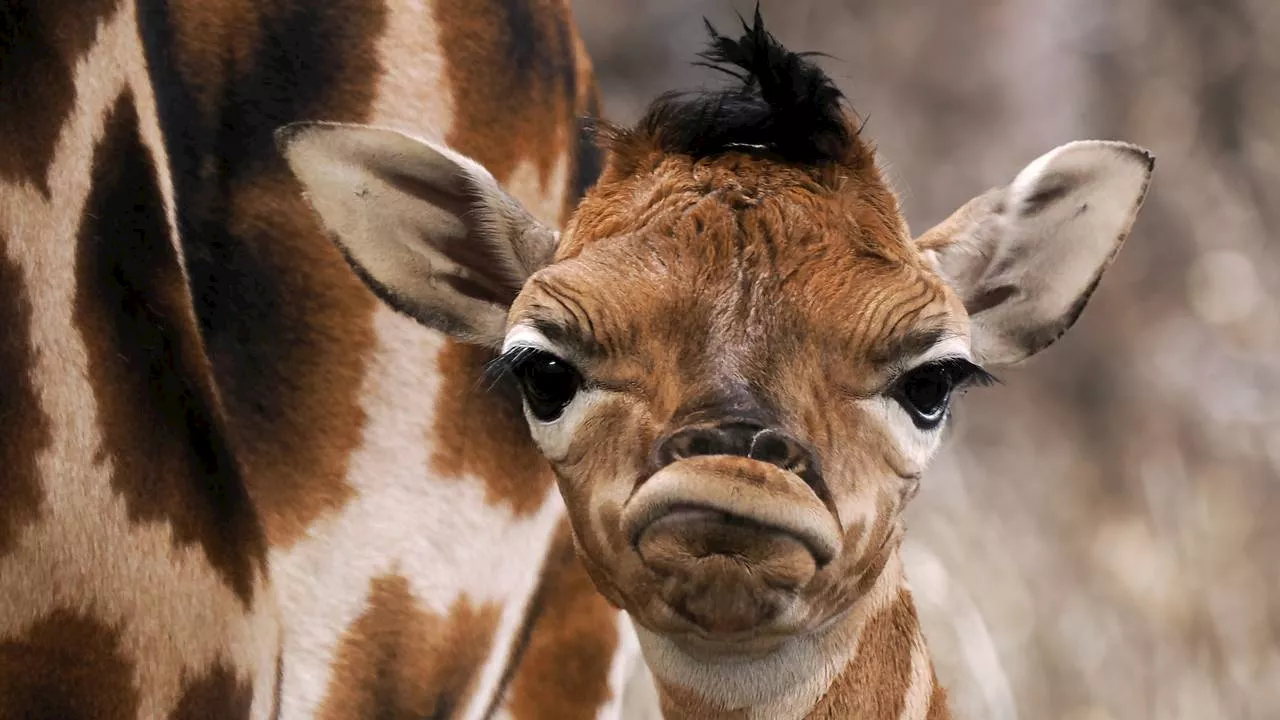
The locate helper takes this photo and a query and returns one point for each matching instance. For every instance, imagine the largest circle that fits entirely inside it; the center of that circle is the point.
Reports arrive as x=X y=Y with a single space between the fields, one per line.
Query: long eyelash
x=964 y=373
x=501 y=367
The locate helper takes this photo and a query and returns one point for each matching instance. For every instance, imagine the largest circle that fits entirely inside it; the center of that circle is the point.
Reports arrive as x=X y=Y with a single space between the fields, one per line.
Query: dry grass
x=1101 y=538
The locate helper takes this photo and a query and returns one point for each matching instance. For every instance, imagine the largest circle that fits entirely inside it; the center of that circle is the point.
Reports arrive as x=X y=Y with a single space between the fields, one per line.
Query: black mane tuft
x=784 y=105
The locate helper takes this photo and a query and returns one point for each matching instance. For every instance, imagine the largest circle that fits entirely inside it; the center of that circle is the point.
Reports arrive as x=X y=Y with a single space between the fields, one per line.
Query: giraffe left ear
x=428 y=229
x=1025 y=258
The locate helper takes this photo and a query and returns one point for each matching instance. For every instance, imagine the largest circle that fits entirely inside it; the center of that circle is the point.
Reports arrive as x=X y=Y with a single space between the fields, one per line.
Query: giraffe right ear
x=1025 y=258
x=427 y=229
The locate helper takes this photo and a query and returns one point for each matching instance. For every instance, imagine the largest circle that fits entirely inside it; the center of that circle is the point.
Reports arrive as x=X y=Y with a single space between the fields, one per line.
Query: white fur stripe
x=442 y=534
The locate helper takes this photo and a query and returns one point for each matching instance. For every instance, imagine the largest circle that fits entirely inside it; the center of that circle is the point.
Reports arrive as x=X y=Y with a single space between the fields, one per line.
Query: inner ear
x=428 y=229
x=1026 y=258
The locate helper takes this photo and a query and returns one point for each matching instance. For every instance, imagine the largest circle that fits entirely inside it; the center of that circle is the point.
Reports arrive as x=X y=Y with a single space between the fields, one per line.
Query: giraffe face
x=739 y=395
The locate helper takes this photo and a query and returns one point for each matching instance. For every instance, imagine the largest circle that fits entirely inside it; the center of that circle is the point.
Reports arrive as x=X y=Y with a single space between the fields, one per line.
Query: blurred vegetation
x=1100 y=540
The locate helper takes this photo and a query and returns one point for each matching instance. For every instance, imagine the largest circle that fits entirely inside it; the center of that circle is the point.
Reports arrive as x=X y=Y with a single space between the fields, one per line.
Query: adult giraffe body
x=235 y=485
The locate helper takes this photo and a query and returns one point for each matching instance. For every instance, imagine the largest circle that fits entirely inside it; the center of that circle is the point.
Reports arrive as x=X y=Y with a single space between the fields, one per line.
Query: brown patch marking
x=288 y=326
x=564 y=673
x=67 y=665
x=300 y=446
x=512 y=67
x=482 y=432
x=215 y=695
x=876 y=683
x=398 y=660
x=40 y=43
x=162 y=432
x=24 y=426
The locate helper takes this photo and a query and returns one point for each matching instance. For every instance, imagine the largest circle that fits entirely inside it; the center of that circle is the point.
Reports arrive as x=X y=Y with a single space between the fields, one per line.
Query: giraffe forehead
x=718 y=299
x=717 y=268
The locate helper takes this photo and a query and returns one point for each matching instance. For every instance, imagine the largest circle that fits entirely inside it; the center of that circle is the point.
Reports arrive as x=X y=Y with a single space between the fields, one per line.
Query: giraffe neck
x=872 y=664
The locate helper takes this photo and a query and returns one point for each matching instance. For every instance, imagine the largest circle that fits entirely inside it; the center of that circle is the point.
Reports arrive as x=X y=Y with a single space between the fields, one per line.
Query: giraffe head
x=736 y=357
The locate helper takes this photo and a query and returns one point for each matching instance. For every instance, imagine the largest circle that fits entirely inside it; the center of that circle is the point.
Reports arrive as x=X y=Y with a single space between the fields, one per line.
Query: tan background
x=1100 y=540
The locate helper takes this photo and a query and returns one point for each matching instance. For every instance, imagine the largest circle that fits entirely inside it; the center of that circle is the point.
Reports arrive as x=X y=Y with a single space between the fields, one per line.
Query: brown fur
x=680 y=702
x=297 y=446
x=564 y=672
x=875 y=684
x=587 y=154
x=530 y=82
x=68 y=665
x=217 y=42
x=400 y=660
x=145 y=563
x=23 y=423
x=690 y=239
x=478 y=432
x=216 y=694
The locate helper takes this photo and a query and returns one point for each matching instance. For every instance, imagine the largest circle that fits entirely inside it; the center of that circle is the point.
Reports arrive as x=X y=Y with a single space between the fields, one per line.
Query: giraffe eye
x=925 y=392
x=548 y=383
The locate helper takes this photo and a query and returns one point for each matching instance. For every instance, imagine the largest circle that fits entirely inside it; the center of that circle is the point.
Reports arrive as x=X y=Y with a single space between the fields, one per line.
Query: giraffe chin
x=723 y=574
x=730 y=542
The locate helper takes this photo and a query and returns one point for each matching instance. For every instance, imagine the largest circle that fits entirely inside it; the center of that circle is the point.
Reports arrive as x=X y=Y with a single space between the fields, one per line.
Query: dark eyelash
x=962 y=372
x=501 y=367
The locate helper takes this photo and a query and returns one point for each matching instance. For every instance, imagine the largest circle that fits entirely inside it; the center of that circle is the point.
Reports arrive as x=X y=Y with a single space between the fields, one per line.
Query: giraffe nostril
x=699 y=445
x=744 y=440
x=690 y=443
x=771 y=448
x=777 y=449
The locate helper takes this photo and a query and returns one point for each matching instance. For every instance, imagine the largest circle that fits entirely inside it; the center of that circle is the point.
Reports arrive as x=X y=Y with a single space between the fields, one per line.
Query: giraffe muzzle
x=731 y=499
x=730 y=540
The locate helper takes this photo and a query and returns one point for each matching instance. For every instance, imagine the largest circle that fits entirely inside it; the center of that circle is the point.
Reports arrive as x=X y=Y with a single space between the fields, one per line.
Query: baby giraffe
x=736 y=358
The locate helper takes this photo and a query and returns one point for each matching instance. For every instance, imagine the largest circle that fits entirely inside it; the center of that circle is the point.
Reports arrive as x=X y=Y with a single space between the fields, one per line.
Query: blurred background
x=1101 y=538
